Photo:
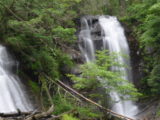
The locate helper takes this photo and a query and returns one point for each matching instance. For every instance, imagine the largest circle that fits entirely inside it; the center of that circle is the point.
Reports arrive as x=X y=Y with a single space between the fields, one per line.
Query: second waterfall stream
x=105 y=32
x=13 y=98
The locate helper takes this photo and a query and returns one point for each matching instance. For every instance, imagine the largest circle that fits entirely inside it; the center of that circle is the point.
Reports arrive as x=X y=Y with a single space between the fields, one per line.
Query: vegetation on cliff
x=145 y=21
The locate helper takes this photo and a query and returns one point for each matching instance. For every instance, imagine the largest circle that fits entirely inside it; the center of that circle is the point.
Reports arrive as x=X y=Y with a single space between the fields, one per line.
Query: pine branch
x=10 y=11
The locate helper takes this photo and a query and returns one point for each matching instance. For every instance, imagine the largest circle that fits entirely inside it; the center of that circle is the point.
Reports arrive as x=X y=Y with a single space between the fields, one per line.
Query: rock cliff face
x=96 y=33
x=150 y=110
x=135 y=54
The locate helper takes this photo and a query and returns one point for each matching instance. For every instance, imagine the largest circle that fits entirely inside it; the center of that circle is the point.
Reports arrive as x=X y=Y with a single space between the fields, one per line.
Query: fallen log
x=71 y=90
x=16 y=114
x=98 y=105
x=41 y=115
x=27 y=115
x=48 y=115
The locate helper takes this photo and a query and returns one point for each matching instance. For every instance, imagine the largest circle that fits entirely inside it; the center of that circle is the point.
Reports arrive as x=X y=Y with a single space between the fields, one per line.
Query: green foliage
x=150 y=36
x=62 y=104
x=87 y=113
x=97 y=74
x=64 y=34
x=34 y=87
x=145 y=21
x=68 y=117
x=104 y=7
x=65 y=103
x=93 y=7
x=154 y=80
x=37 y=31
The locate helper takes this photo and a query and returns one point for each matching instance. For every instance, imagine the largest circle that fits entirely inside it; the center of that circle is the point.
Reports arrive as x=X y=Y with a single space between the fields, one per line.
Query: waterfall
x=105 y=32
x=12 y=95
x=85 y=36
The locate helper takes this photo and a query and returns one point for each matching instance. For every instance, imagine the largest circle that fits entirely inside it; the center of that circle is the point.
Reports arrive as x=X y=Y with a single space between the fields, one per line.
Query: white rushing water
x=113 y=39
x=85 y=35
x=12 y=96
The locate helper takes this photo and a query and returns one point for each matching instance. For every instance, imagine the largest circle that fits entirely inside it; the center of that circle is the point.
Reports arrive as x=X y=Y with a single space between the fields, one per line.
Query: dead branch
x=90 y=101
x=15 y=114
x=41 y=115
x=34 y=115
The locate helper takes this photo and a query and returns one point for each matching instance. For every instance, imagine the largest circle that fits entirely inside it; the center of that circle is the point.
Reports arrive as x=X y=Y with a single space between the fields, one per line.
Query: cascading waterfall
x=105 y=32
x=85 y=36
x=12 y=95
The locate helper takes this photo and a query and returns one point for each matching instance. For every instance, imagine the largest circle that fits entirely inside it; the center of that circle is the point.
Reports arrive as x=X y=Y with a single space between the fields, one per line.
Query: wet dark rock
x=135 y=54
x=98 y=44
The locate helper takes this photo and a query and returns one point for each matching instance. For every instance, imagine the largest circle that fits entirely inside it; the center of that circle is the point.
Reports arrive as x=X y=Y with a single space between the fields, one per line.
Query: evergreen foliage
x=37 y=31
x=97 y=74
x=145 y=21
